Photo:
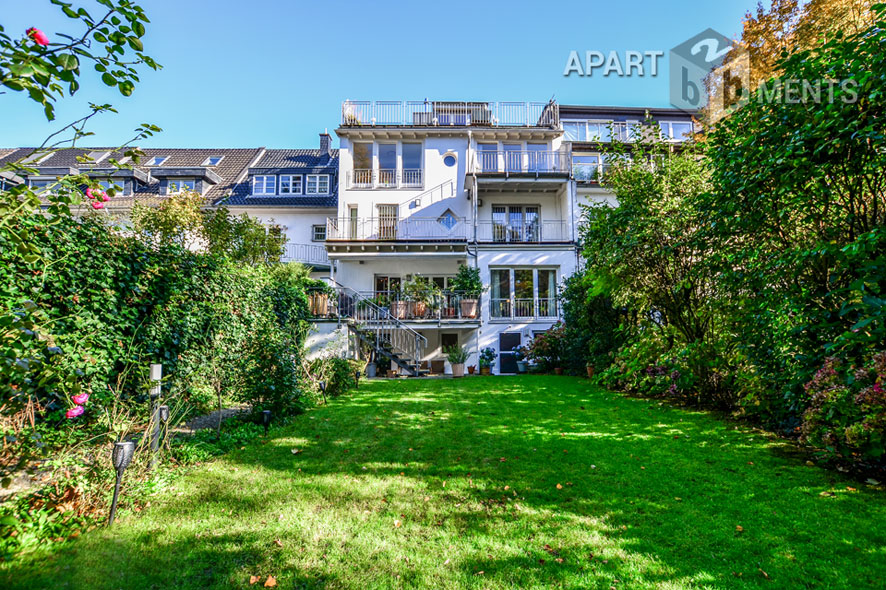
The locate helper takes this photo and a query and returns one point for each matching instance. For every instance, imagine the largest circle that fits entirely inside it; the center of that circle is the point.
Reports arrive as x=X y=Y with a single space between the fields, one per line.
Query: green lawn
x=488 y=482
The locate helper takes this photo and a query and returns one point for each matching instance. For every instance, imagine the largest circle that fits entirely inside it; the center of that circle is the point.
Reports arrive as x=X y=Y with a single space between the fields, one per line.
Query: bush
x=546 y=349
x=338 y=373
x=846 y=416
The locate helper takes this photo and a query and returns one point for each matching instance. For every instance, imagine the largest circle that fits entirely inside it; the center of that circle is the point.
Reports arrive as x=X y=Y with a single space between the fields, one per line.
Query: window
x=574 y=130
x=96 y=157
x=523 y=293
x=387 y=164
x=264 y=185
x=676 y=130
x=109 y=185
x=515 y=223
x=585 y=168
x=449 y=160
x=318 y=184
x=40 y=185
x=411 y=156
x=157 y=160
x=488 y=156
x=181 y=185
x=513 y=157
x=448 y=220
x=539 y=158
x=386 y=284
x=290 y=184
x=362 y=165
x=318 y=233
x=212 y=160
x=37 y=158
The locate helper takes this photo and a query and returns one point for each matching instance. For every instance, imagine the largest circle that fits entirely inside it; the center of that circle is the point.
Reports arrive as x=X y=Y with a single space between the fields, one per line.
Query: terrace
x=426 y=113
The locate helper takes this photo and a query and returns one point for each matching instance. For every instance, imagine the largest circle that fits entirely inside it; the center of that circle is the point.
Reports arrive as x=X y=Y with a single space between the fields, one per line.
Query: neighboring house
x=417 y=189
x=296 y=189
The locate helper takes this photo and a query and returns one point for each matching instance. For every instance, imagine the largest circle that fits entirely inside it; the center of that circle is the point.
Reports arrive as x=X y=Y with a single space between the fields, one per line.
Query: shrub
x=487 y=357
x=456 y=355
x=338 y=373
x=547 y=348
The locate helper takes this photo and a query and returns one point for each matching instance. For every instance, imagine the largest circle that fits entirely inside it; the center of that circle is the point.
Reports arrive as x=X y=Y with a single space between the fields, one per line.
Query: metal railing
x=437 y=305
x=384 y=178
x=517 y=307
x=305 y=253
x=394 y=229
x=450 y=113
x=374 y=324
x=522 y=162
x=523 y=233
x=583 y=172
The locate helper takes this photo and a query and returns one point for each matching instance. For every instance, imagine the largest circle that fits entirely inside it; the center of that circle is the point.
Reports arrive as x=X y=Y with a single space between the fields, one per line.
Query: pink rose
x=105 y=197
x=98 y=205
x=37 y=36
x=74 y=412
x=89 y=193
x=81 y=399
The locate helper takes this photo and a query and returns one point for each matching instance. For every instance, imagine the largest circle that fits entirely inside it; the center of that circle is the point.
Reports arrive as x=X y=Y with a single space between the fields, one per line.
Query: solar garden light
x=322 y=385
x=121 y=458
x=163 y=411
x=357 y=379
x=266 y=419
x=156 y=376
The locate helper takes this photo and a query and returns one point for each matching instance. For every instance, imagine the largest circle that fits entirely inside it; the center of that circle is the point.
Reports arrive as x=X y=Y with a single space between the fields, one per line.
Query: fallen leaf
x=559 y=560
x=827 y=494
x=397 y=524
x=278 y=542
x=873 y=482
x=739 y=528
x=270 y=582
x=296 y=451
x=765 y=575
x=253 y=580
x=507 y=487
x=446 y=562
x=559 y=487
x=850 y=489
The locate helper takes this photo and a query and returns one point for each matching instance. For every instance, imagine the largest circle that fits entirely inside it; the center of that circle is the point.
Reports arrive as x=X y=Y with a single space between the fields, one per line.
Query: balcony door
x=387 y=222
x=488 y=153
x=513 y=157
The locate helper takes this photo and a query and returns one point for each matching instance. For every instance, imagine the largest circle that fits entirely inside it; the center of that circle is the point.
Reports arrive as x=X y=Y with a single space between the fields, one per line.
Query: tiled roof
x=294 y=159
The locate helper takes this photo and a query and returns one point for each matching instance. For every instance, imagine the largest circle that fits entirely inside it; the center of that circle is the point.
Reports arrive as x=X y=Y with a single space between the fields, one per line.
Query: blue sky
x=264 y=73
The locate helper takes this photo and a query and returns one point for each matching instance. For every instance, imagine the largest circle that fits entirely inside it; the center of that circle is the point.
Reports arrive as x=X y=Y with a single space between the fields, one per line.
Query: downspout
x=474 y=213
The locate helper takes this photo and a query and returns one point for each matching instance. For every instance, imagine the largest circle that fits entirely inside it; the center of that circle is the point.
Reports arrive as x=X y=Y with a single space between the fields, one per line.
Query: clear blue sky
x=265 y=73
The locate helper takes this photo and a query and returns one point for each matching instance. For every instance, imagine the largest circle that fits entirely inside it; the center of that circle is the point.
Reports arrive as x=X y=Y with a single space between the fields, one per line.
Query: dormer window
x=37 y=158
x=157 y=160
x=264 y=185
x=96 y=157
x=317 y=184
x=290 y=184
x=212 y=161
x=181 y=185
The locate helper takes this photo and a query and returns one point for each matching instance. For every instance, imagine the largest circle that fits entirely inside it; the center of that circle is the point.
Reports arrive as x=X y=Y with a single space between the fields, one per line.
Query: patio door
x=387 y=222
x=507 y=342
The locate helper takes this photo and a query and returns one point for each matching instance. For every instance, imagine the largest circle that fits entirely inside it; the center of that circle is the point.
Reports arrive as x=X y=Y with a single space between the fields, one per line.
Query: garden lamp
x=322 y=385
x=266 y=419
x=121 y=458
x=163 y=412
x=357 y=379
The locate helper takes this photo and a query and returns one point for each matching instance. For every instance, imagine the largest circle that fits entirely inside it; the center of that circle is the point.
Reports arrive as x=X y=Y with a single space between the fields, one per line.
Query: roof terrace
x=429 y=113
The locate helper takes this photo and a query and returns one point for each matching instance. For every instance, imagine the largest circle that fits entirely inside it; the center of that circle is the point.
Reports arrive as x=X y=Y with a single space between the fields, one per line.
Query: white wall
x=361 y=277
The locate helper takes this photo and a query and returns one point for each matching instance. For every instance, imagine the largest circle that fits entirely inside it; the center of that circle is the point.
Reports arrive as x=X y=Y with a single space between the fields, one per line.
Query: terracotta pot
x=318 y=303
x=458 y=370
x=486 y=370
x=399 y=309
x=558 y=370
x=392 y=373
x=472 y=368
x=419 y=308
x=449 y=312
x=468 y=308
x=590 y=371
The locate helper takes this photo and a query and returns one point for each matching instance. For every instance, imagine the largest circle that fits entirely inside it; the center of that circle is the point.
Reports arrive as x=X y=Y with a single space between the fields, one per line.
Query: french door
x=515 y=223
x=387 y=222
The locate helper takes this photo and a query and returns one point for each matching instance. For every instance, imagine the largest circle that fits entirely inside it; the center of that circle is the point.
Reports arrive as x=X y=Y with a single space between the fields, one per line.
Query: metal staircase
x=384 y=334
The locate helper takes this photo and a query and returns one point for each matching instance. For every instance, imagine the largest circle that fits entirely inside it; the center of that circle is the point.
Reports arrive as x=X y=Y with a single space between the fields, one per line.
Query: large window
x=488 y=156
x=412 y=164
x=362 y=164
x=264 y=185
x=387 y=164
x=676 y=130
x=523 y=293
x=317 y=184
x=515 y=223
x=290 y=184
x=586 y=168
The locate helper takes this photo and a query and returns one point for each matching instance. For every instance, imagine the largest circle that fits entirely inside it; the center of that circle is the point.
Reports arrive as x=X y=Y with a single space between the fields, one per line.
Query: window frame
x=317 y=177
x=178 y=185
x=155 y=163
x=291 y=178
x=510 y=304
x=264 y=193
x=314 y=229
x=207 y=162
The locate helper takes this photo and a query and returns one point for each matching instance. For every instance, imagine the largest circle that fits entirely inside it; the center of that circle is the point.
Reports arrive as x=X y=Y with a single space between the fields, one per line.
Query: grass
x=494 y=483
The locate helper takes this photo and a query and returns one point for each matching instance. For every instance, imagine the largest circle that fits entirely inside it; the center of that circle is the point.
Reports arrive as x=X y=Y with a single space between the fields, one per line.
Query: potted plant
x=456 y=355
x=468 y=284
x=520 y=353
x=420 y=293
x=472 y=369
x=318 y=298
x=398 y=304
x=487 y=357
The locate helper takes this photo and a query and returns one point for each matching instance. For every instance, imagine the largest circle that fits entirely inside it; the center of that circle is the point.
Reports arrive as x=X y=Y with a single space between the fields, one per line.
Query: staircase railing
x=386 y=332
x=442 y=191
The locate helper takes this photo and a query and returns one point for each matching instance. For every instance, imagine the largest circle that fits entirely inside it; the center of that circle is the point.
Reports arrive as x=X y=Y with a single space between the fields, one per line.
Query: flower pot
x=522 y=366
x=472 y=368
x=590 y=370
x=458 y=370
x=449 y=312
x=419 y=309
x=485 y=370
x=392 y=373
x=318 y=303
x=468 y=308
x=558 y=370
x=370 y=369
x=399 y=309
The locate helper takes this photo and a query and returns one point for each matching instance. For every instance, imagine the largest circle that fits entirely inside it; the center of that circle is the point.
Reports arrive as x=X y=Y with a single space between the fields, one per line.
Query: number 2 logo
x=712 y=53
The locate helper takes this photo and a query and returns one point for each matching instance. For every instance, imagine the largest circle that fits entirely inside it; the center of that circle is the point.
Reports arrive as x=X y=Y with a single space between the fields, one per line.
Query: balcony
x=432 y=305
x=522 y=162
x=308 y=254
x=450 y=114
x=519 y=308
x=391 y=229
x=365 y=178
x=532 y=232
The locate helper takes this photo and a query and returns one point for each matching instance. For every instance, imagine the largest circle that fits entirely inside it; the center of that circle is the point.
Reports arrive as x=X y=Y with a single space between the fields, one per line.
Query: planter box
x=469 y=308
x=458 y=370
x=485 y=370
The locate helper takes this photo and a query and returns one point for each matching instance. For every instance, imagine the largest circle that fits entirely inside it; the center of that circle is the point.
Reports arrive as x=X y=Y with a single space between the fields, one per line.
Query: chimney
x=325 y=143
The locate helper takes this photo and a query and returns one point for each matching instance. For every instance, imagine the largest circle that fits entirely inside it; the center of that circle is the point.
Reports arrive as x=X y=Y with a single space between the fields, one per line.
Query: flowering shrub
x=847 y=408
x=547 y=348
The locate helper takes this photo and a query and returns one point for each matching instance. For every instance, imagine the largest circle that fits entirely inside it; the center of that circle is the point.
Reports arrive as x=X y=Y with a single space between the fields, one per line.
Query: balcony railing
x=385 y=178
x=426 y=305
x=355 y=113
x=516 y=307
x=310 y=254
x=523 y=233
x=394 y=229
x=522 y=162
